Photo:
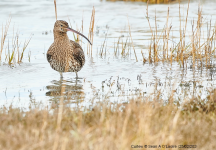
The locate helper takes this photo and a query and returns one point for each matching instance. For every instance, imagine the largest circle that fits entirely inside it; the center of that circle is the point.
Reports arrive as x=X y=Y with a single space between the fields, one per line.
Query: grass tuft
x=13 y=55
x=108 y=126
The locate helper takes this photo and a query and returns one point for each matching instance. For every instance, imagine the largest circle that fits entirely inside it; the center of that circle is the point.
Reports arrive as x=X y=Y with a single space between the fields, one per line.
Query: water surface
x=108 y=76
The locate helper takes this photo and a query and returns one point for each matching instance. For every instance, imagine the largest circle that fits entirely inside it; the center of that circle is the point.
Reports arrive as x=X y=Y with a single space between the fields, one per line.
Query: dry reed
x=76 y=36
x=91 y=31
x=132 y=40
x=4 y=35
x=143 y=121
x=55 y=9
x=197 y=48
x=150 y=1
x=13 y=54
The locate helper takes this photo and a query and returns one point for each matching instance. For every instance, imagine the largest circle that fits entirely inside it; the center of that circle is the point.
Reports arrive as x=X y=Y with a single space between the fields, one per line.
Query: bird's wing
x=78 y=53
x=75 y=45
x=50 y=53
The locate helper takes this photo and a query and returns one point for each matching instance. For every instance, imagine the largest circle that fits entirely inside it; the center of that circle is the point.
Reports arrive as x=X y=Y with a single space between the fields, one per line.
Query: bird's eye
x=61 y=25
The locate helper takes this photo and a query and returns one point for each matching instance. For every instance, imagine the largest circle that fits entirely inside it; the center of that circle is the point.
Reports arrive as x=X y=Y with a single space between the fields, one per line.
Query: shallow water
x=116 y=77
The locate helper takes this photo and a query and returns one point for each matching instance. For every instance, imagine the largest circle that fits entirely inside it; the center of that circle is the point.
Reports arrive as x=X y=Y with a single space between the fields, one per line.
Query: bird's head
x=62 y=27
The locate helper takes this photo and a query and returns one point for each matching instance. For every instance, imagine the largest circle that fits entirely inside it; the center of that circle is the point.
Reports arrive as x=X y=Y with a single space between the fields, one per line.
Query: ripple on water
x=117 y=77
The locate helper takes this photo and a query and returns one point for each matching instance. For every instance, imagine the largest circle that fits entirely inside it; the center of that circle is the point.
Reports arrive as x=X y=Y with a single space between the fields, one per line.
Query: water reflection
x=114 y=74
x=73 y=90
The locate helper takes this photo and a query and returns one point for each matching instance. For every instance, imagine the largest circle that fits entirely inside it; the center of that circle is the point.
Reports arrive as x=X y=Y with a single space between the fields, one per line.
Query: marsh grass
x=150 y=1
x=4 y=35
x=102 y=51
x=132 y=41
x=77 y=37
x=13 y=52
x=198 y=49
x=143 y=121
x=91 y=31
x=55 y=9
x=195 y=42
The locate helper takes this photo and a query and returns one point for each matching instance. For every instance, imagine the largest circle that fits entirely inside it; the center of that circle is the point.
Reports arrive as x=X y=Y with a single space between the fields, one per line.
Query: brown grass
x=191 y=44
x=140 y=122
x=13 y=54
x=132 y=40
x=55 y=9
x=143 y=121
x=150 y=1
x=91 y=32
x=4 y=35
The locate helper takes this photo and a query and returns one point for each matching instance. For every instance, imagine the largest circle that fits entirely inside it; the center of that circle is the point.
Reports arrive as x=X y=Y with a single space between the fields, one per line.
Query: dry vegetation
x=142 y=121
x=150 y=1
x=13 y=51
x=194 y=45
x=195 y=42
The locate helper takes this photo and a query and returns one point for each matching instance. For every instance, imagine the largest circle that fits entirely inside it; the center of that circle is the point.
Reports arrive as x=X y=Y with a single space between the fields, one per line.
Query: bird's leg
x=61 y=75
x=76 y=82
x=76 y=75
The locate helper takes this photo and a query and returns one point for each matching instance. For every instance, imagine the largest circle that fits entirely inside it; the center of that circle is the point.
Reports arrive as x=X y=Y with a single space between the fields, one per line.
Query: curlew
x=65 y=55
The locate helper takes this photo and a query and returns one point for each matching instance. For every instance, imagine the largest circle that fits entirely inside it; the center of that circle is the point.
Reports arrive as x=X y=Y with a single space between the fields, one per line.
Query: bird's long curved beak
x=72 y=30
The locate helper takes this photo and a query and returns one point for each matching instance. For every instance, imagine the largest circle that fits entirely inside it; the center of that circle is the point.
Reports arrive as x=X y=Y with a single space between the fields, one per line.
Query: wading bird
x=65 y=55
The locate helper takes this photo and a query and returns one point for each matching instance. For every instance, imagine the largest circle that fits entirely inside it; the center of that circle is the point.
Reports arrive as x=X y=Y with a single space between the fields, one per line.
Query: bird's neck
x=61 y=37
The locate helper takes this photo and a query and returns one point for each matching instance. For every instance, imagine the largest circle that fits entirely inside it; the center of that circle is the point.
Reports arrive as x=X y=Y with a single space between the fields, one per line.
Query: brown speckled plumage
x=65 y=55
